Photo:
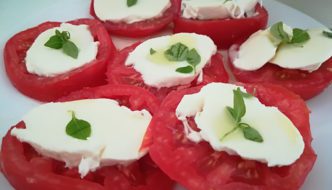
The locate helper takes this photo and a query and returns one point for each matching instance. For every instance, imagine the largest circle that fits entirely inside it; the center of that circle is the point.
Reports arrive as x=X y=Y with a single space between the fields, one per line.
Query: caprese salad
x=91 y=139
x=225 y=21
x=134 y=18
x=53 y=59
x=168 y=63
x=298 y=59
x=225 y=136
x=167 y=113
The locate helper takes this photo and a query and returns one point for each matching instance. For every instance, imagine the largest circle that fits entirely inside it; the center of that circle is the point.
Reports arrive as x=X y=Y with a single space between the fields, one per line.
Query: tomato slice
x=224 y=32
x=118 y=73
x=303 y=83
x=199 y=167
x=51 y=88
x=141 y=28
x=25 y=169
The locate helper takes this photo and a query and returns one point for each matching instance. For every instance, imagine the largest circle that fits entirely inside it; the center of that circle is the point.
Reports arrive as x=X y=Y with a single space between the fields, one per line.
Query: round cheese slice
x=116 y=133
x=157 y=71
x=49 y=62
x=282 y=142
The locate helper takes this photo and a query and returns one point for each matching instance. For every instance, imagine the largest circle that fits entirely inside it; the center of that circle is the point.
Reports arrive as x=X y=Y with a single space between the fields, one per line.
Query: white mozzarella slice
x=255 y=52
x=117 y=133
x=282 y=142
x=48 y=62
x=216 y=9
x=308 y=56
x=157 y=71
x=118 y=11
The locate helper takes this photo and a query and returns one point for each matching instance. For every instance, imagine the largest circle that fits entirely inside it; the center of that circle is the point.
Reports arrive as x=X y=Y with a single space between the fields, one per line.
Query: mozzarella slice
x=255 y=52
x=157 y=71
x=117 y=133
x=262 y=48
x=118 y=11
x=216 y=9
x=48 y=62
x=282 y=145
x=308 y=56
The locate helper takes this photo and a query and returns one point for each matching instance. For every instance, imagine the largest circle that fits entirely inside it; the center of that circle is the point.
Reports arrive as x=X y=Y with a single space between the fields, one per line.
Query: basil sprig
x=62 y=40
x=78 y=128
x=299 y=36
x=131 y=3
x=180 y=52
x=237 y=112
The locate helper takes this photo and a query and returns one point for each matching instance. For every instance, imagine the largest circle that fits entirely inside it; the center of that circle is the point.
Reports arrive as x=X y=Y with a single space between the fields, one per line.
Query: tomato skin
x=118 y=73
x=224 y=32
x=199 y=167
x=305 y=84
x=25 y=169
x=141 y=28
x=52 y=88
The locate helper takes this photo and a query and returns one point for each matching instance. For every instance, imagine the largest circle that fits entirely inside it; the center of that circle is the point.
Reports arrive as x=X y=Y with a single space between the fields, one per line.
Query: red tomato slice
x=118 y=73
x=25 y=169
x=51 y=88
x=303 y=83
x=199 y=167
x=224 y=32
x=141 y=28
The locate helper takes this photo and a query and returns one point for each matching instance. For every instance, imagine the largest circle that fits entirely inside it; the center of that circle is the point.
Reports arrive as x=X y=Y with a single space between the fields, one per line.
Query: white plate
x=17 y=15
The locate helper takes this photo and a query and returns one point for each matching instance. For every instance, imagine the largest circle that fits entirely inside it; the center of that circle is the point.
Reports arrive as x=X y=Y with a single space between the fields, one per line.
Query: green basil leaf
x=131 y=3
x=299 y=36
x=177 y=52
x=193 y=58
x=252 y=134
x=231 y=111
x=187 y=69
x=152 y=51
x=70 y=49
x=65 y=35
x=277 y=30
x=238 y=105
x=78 y=128
x=55 y=42
x=327 y=34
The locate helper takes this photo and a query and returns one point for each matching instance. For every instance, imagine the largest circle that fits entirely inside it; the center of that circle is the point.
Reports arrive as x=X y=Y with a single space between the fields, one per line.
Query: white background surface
x=318 y=9
x=17 y=15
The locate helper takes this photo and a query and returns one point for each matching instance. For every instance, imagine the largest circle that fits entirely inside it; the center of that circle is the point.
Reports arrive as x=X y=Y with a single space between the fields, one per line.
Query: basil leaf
x=54 y=42
x=299 y=36
x=232 y=112
x=252 y=134
x=65 y=35
x=238 y=105
x=277 y=30
x=327 y=34
x=187 y=69
x=193 y=58
x=61 y=40
x=70 y=49
x=131 y=3
x=152 y=51
x=177 y=52
x=78 y=128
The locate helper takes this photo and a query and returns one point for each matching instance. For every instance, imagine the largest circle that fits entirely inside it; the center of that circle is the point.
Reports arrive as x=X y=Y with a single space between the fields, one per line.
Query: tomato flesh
x=199 y=167
x=25 y=169
x=305 y=84
x=224 y=32
x=52 y=88
x=118 y=73
x=141 y=28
